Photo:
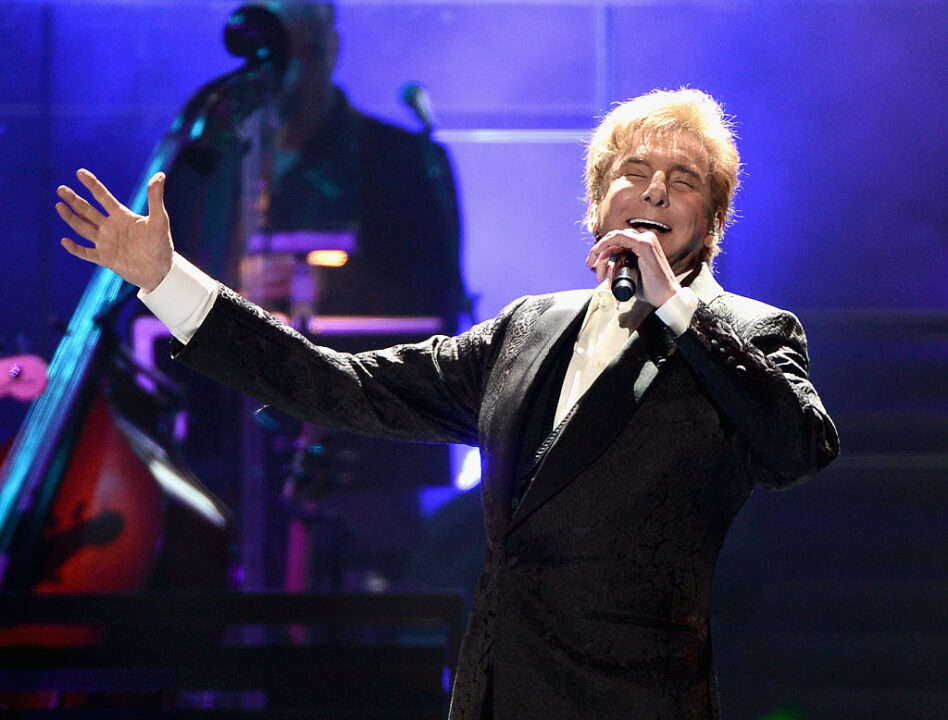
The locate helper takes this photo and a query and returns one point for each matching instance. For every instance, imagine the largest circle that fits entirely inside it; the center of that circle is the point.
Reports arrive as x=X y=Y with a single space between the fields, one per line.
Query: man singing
x=618 y=440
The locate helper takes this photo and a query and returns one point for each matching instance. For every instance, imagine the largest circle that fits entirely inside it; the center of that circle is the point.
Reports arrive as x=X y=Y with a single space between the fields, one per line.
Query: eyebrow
x=687 y=169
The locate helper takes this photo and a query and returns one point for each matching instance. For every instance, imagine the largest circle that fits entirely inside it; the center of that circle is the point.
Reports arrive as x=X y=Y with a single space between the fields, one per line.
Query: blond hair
x=658 y=112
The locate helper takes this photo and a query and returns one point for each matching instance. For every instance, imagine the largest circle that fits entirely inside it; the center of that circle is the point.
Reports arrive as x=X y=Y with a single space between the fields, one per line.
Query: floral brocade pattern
x=753 y=359
x=596 y=591
x=425 y=392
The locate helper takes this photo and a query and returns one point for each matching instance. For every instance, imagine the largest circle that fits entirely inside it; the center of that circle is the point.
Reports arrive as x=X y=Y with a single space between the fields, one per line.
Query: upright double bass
x=90 y=501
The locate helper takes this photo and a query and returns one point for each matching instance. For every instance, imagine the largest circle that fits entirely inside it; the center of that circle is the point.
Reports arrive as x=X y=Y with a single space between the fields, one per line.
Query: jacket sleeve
x=429 y=391
x=753 y=362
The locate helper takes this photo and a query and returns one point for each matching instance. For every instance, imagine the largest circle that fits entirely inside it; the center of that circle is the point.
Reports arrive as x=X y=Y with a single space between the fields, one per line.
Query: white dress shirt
x=182 y=299
x=606 y=328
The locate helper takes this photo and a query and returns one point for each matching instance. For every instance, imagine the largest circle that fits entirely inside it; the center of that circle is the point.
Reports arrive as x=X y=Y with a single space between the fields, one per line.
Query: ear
x=714 y=232
x=592 y=218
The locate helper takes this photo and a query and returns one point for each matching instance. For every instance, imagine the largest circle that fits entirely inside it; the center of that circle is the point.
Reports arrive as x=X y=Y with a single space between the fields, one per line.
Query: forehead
x=666 y=148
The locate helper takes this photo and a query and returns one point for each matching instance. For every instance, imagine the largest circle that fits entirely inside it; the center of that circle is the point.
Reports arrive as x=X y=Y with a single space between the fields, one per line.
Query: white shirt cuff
x=678 y=310
x=182 y=299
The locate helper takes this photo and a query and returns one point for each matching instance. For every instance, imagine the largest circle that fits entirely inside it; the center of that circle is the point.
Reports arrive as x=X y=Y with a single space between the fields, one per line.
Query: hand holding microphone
x=624 y=276
x=636 y=259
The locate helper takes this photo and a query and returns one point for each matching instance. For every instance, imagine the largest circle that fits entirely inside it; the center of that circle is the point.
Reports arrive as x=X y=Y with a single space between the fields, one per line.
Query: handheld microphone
x=623 y=277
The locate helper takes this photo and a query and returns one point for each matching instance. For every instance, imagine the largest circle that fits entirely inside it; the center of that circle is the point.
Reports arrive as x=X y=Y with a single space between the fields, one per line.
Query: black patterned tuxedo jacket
x=602 y=533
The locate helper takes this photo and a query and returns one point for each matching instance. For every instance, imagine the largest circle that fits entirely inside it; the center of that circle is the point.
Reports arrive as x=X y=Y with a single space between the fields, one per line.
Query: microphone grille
x=255 y=33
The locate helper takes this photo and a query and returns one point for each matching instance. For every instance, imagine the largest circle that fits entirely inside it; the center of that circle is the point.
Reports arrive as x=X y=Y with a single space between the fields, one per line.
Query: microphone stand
x=416 y=98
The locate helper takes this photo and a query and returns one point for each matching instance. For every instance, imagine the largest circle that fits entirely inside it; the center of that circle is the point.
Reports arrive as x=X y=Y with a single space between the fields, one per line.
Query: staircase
x=831 y=599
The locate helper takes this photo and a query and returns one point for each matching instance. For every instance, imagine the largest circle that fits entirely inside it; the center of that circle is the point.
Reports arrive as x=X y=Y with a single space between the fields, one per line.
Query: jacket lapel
x=608 y=406
x=557 y=325
x=600 y=415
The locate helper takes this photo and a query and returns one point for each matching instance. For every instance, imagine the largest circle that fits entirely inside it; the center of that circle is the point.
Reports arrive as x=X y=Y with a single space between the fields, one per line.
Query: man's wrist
x=678 y=310
x=182 y=299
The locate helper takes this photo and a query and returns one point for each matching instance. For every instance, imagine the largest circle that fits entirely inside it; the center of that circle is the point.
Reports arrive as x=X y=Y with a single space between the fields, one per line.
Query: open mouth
x=645 y=224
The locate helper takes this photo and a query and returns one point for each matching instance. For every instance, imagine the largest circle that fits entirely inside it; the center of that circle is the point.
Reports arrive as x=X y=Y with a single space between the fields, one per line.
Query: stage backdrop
x=832 y=599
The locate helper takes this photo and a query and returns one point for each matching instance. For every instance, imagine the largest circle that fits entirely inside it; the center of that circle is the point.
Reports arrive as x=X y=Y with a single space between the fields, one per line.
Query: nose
x=656 y=193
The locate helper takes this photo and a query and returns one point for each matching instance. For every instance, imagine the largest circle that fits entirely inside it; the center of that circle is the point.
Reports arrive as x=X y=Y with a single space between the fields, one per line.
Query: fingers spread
x=79 y=206
x=156 y=195
x=79 y=251
x=99 y=191
x=78 y=223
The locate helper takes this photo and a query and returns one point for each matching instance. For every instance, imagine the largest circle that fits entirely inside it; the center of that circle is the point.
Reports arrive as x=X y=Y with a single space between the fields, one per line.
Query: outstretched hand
x=138 y=248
